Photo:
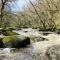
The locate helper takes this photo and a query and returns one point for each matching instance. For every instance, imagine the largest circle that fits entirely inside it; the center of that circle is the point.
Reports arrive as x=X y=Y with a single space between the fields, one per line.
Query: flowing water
x=35 y=51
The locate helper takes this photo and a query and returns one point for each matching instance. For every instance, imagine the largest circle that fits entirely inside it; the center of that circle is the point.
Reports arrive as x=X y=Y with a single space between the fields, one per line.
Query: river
x=32 y=51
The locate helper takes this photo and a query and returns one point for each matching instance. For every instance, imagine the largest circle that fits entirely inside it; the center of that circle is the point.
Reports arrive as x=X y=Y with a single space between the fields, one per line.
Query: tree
x=4 y=3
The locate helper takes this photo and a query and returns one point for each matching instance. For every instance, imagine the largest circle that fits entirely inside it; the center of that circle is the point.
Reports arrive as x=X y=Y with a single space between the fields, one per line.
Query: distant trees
x=42 y=14
x=43 y=10
x=4 y=12
x=45 y=14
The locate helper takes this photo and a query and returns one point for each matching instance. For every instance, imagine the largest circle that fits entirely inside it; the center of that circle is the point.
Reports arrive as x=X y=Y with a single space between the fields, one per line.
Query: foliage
x=41 y=14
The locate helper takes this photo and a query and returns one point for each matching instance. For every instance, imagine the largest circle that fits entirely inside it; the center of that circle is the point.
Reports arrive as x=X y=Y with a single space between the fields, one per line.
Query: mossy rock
x=1 y=30
x=16 y=41
x=1 y=43
x=9 y=33
x=7 y=29
x=10 y=28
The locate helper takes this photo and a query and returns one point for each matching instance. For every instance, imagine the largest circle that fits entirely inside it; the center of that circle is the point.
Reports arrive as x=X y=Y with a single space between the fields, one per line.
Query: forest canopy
x=41 y=14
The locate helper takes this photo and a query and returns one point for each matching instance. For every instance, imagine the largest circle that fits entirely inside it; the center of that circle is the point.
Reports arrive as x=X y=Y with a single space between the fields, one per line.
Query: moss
x=16 y=41
x=9 y=33
x=10 y=28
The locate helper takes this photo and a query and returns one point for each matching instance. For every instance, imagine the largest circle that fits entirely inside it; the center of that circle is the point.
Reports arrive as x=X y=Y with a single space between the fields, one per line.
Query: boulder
x=9 y=33
x=16 y=41
x=1 y=43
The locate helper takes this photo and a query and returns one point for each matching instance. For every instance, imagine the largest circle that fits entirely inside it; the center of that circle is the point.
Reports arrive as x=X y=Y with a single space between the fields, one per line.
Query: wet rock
x=16 y=41
x=1 y=43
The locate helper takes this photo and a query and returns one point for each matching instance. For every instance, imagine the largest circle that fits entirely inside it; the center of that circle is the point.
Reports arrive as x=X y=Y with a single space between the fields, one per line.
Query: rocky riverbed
x=47 y=49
